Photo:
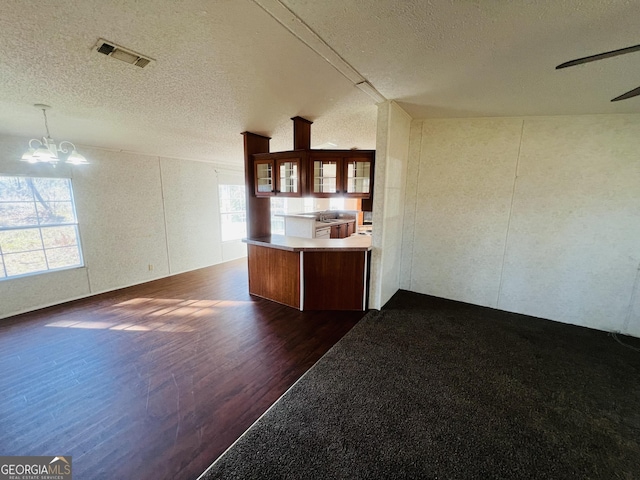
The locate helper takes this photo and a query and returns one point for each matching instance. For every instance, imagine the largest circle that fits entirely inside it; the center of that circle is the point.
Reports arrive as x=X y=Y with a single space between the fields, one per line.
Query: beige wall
x=392 y=152
x=133 y=211
x=536 y=215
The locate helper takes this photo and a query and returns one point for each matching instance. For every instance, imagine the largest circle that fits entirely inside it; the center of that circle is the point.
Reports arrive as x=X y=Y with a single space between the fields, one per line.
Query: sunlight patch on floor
x=181 y=309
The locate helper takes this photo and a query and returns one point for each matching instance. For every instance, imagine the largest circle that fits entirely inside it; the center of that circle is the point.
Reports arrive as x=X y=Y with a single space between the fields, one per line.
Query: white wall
x=536 y=215
x=133 y=211
x=392 y=153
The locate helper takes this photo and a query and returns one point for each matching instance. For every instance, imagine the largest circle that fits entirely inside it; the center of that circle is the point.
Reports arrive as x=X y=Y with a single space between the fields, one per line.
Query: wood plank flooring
x=153 y=381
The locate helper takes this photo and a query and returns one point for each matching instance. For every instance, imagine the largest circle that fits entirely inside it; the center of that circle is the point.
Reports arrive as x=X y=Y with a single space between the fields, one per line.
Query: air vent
x=142 y=62
x=116 y=51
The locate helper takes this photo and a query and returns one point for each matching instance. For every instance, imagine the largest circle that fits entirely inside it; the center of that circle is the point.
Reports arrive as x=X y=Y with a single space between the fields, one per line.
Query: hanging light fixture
x=46 y=150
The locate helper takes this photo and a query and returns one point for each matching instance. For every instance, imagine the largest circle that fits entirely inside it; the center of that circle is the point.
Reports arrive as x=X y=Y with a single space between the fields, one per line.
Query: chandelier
x=46 y=150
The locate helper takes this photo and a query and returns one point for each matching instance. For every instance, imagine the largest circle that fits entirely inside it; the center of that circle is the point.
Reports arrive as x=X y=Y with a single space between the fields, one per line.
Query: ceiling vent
x=116 y=51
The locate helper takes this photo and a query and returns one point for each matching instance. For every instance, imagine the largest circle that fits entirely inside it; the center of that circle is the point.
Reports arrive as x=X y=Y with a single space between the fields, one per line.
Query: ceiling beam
x=289 y=20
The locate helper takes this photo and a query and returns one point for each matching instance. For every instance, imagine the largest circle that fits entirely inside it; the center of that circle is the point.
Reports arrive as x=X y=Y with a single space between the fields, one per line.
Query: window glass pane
x=55 y=213
x=234 y=226
x=278 y=207
x=26 y=262
x=15 y=189
x=14 y=241
x=59 y=236
x=51 y=189
x=225 y=201
x=233 y=216
x=18 y=214
x=61 y=257
x=33 y=202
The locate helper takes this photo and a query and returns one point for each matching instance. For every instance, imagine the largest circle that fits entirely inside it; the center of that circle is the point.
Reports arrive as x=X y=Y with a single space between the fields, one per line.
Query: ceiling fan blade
x=630 y=94
x=600 y=56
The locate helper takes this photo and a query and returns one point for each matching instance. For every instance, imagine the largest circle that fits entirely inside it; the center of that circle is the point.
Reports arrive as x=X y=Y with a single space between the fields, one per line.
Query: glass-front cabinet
x=357 y=177
x=264 y=181
x=326 y=176
x=348 y=176
x=318 y=173
x=288 y=176
x=278 y=176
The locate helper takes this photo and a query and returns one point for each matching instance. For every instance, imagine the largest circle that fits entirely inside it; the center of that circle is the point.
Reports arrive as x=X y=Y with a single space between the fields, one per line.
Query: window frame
x=223 y=214
x=40 y=227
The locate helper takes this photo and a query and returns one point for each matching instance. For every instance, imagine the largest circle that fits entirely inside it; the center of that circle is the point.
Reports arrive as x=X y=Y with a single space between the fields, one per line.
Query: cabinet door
x=351 y=228
x=326 y=176
x=263 y=178
x=335 y=231
x=288 y=181
x=357 y=175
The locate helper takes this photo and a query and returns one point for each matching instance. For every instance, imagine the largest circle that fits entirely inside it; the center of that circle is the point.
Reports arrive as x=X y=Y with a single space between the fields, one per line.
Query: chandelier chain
x=46 y=123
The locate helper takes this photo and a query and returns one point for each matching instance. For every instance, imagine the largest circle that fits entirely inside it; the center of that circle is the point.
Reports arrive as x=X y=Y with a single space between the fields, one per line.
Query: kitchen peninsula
x=306 y=273
x=310 y=273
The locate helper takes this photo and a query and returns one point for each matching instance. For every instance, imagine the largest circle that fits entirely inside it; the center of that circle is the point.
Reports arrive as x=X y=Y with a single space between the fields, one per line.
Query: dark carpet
x=435 y=389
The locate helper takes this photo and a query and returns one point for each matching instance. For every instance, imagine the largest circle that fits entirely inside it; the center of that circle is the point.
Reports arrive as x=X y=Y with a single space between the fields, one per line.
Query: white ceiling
x=227 y=66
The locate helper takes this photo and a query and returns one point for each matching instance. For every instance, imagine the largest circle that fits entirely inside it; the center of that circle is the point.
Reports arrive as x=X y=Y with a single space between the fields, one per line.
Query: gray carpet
x=434 y=389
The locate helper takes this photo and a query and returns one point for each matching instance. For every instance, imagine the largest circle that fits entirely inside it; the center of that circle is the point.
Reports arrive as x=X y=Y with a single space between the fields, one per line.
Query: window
x=38 y=226
x=233 y=213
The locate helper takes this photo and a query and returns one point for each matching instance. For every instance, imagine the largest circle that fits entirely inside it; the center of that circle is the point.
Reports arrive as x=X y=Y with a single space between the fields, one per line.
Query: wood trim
x=318 y=153
x=258 y=208
x=301 y=133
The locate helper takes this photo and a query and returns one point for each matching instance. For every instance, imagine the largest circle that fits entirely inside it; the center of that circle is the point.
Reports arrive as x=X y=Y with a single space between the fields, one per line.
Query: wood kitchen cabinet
x=357 y=176
x=302 y=275
x=278 y=174
x=348 y=174
x=343 y=230
x=326 y=176
x=318 y=173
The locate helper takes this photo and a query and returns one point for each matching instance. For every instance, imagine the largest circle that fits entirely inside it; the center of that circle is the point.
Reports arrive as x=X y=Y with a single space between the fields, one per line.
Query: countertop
x=298 y=244
x=346 y=218
x=337 y=221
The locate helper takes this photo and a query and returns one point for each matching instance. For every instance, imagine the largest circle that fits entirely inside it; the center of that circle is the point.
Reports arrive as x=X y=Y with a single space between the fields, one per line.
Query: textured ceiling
x=458 y=58
x=223 y=67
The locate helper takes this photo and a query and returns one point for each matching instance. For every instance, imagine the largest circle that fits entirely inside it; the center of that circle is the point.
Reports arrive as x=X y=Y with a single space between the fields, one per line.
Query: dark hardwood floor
x=153 y=381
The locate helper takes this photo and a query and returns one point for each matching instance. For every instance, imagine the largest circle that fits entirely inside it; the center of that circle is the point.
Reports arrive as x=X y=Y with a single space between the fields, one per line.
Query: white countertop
x=345 y=217
x=337 y=221
x=298 y=244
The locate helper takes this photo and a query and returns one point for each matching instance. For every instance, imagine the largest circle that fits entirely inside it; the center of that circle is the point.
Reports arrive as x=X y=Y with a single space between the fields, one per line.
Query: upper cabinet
x=357 y=176
x=348 y=173
x=278 y=174
x=326 y=176
x=288 y=177
x=318 y=173
x=263 y=177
